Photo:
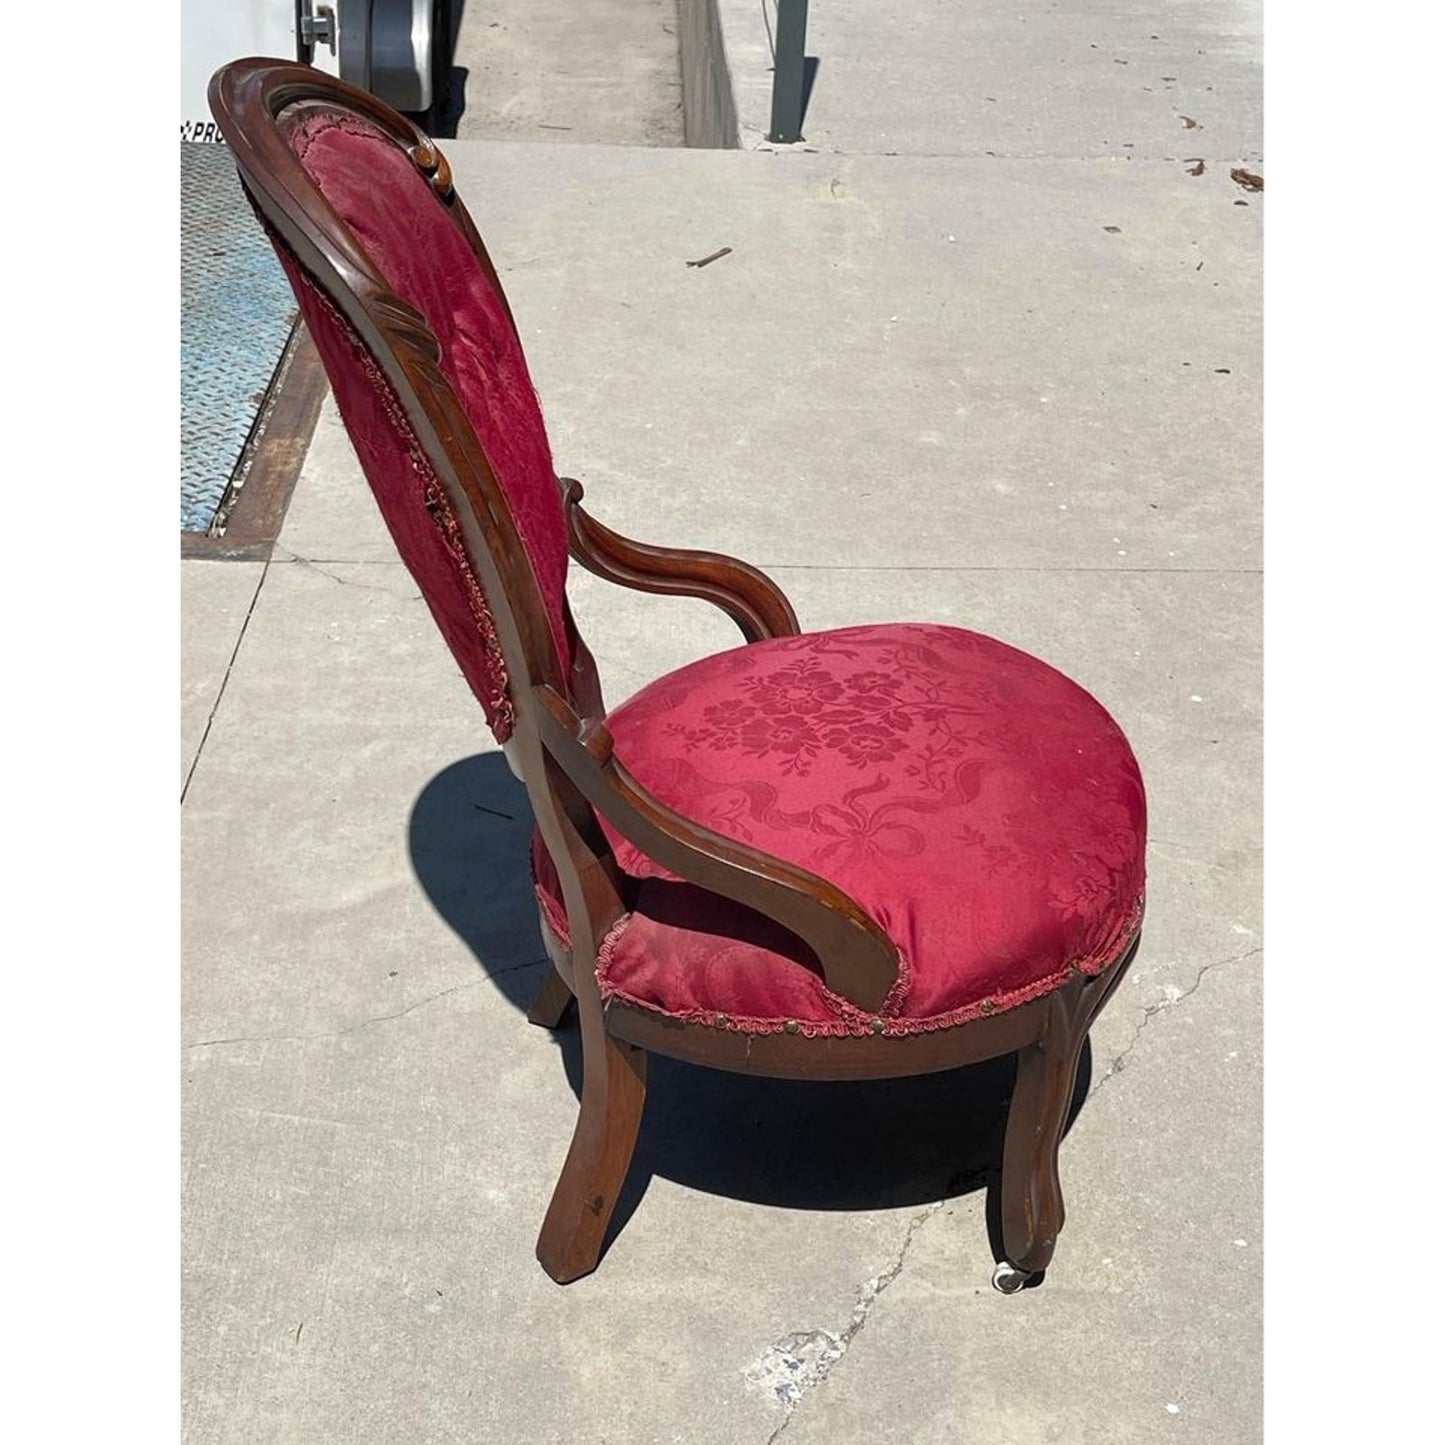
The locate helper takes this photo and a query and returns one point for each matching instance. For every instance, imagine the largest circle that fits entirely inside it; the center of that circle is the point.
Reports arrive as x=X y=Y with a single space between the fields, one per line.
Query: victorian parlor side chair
x=863 y=853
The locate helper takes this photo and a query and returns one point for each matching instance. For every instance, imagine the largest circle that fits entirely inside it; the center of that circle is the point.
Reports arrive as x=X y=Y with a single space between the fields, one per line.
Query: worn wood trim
x=750 y=597
x=796 y=1056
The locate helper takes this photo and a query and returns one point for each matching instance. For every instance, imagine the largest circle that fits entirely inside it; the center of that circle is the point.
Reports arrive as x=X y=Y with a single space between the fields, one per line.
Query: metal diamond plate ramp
x=237 y=312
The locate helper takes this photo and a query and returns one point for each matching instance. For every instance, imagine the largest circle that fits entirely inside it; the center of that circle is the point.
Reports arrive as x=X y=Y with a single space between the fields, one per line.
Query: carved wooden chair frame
x=561 y=749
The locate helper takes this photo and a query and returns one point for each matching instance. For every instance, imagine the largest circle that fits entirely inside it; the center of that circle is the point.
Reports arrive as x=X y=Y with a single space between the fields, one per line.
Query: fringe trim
x=853 y=1021
x=495 y=698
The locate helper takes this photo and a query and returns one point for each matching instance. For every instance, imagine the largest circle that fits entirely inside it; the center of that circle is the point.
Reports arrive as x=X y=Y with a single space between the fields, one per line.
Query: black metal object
x=789 y=89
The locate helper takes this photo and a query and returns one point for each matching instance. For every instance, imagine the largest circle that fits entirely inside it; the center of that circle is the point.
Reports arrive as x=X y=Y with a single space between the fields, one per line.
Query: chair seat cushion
x=984 y=810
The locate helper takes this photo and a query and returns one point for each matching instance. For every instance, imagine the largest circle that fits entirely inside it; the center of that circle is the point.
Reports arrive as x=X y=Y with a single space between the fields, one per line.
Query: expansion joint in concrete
x=221 y=691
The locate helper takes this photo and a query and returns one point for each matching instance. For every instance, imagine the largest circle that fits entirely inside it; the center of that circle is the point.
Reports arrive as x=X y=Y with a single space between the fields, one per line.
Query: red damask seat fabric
x=983 y=808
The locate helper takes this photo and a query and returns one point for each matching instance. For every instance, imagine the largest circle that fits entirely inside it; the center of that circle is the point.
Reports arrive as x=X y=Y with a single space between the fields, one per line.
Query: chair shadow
x=869 y=1144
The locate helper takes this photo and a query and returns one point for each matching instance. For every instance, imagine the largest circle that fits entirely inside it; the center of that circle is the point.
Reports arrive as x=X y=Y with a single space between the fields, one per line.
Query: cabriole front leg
x=614 y=1086
x=1031 y=1197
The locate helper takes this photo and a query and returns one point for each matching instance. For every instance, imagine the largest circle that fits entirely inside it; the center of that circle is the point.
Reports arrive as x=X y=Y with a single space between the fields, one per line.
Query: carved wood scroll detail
x=433 y=165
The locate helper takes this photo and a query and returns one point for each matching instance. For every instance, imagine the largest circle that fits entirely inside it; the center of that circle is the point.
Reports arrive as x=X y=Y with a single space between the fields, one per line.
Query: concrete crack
x=335 y=1033
x=517 y=967
x=802 y=1360
x=1171 y=997
x=314 y=566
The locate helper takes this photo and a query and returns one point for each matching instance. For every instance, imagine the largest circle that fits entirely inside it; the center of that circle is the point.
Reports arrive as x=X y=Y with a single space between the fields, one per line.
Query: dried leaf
x=1247 y=179
x=1197 y=169
x=1189 y=122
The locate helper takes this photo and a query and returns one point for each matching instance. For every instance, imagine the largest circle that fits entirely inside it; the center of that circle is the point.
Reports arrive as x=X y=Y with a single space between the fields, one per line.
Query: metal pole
x=788 y=72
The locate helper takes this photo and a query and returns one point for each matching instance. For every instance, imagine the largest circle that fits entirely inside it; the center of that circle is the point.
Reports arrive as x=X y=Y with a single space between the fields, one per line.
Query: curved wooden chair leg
x=1031 y=1197
x=614 y=1085
x=549 y=1008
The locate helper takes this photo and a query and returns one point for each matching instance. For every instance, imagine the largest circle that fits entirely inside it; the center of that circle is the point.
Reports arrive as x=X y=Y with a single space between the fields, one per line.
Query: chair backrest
x=423 y=356
x=424 y=360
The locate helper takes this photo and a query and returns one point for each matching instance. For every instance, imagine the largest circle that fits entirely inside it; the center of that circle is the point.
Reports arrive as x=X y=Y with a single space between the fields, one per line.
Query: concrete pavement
x=601 y=73
x=1002 y=393
x=1018 y=79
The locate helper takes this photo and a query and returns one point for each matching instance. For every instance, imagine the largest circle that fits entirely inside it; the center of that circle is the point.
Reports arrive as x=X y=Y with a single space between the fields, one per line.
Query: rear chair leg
x=549 y=1008
x=614 y=1085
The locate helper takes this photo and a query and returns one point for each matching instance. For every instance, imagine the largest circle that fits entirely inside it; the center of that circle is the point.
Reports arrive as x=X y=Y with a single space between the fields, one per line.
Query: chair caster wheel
x=1008 y=1279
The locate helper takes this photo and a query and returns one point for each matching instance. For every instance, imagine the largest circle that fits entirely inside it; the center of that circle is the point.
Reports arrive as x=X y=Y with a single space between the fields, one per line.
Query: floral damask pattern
x=801 y=711
x=400 y=223
x=982 y=807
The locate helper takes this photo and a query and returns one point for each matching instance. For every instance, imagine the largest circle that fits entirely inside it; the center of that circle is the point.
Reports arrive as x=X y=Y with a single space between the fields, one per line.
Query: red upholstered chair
x=862 y=853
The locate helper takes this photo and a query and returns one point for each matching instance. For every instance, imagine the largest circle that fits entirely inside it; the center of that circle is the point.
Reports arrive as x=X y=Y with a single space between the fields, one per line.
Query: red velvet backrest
x=404 y=228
